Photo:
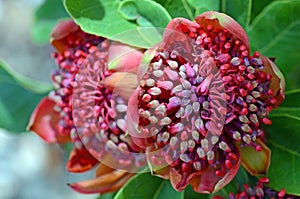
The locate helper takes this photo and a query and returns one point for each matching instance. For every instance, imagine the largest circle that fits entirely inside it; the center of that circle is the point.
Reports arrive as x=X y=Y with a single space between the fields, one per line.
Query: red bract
x=201 y=102
x=88 y=106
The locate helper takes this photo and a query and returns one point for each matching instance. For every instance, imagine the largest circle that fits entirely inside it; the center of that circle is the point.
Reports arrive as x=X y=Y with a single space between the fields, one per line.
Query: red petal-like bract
x=44 y=121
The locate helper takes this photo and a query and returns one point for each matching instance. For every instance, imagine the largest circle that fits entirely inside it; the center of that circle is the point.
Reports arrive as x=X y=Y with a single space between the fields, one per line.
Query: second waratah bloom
x=88 y=106
x=201 y=102
x=258 y=191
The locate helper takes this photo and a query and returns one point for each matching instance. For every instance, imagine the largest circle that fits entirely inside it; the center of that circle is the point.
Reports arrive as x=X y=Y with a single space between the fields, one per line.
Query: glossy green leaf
x=147 y=10
x=204 y=5
x=189 y=193
x=258 y=6
x=146 y=186
x=290 y=106
x=275 y=32
x=16 y=103
x=283 y=139
x=292 y=99
x=243 y=177
x=6 y=119
x=107 y=196
x=45 y=18
x=239 y=10
x=120 y=20
x=28 y=83
x=231 y=187
x=166 y=190
x=178 y=8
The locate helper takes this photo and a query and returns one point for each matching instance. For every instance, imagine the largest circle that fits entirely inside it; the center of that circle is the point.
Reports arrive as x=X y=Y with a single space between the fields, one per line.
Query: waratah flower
x=88 y=106
x=201 y=102
x=259 y=191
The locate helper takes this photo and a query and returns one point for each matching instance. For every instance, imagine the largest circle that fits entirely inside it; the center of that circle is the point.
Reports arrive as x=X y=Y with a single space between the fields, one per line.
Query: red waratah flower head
x=259 y=191
x=201 y=101
x=88 y=106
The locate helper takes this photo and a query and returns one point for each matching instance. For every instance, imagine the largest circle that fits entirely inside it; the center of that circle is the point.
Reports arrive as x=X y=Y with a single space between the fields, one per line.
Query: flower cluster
x=259 y=191
x=191 y=107
x=201 y=101
x=83 y=110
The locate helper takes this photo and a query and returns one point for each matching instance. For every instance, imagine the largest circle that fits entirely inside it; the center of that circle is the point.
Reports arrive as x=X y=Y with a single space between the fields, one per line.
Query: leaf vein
x=279 y=36
x=249 y=13
x=285 y=115
x=284 y=108
x=159 y=189
x=85 y=10
x=187 y=9
x=280 y=147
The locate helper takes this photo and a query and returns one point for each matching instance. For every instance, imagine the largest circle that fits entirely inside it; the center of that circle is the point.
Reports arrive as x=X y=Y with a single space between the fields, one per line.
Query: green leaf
x=120 y=20
x=147 y=10
x=258 y=6
x=189 y=193
x=231 y=187
x=292 y=99
x=45 y=18
x=16 y=103
x=146 y=186
x=6 y=119
x=239 y=10
x=275 y=32
x=283 y=139
x=201 y=6
x=28 y=83
x=243 y=177
x=290 y=106
x=178 y=8
x=166 y=190
x=107 y=196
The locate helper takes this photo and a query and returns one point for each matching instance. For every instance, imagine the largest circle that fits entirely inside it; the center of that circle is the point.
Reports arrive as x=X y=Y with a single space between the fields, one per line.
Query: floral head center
x=76 y=47
x=89 y=113
x=200 y=104
x=99 y=113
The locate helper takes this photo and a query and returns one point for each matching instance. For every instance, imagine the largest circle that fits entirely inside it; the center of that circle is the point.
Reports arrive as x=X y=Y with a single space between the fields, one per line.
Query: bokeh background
x=29 y=167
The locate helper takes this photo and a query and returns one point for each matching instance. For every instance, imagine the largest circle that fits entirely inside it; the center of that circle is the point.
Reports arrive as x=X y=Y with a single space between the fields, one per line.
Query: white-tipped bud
x=150 y=82
x=201 y=152
x=154 y=91
x=172 y=64
x=165 y=121
x=210 y=155
x=158 y=73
